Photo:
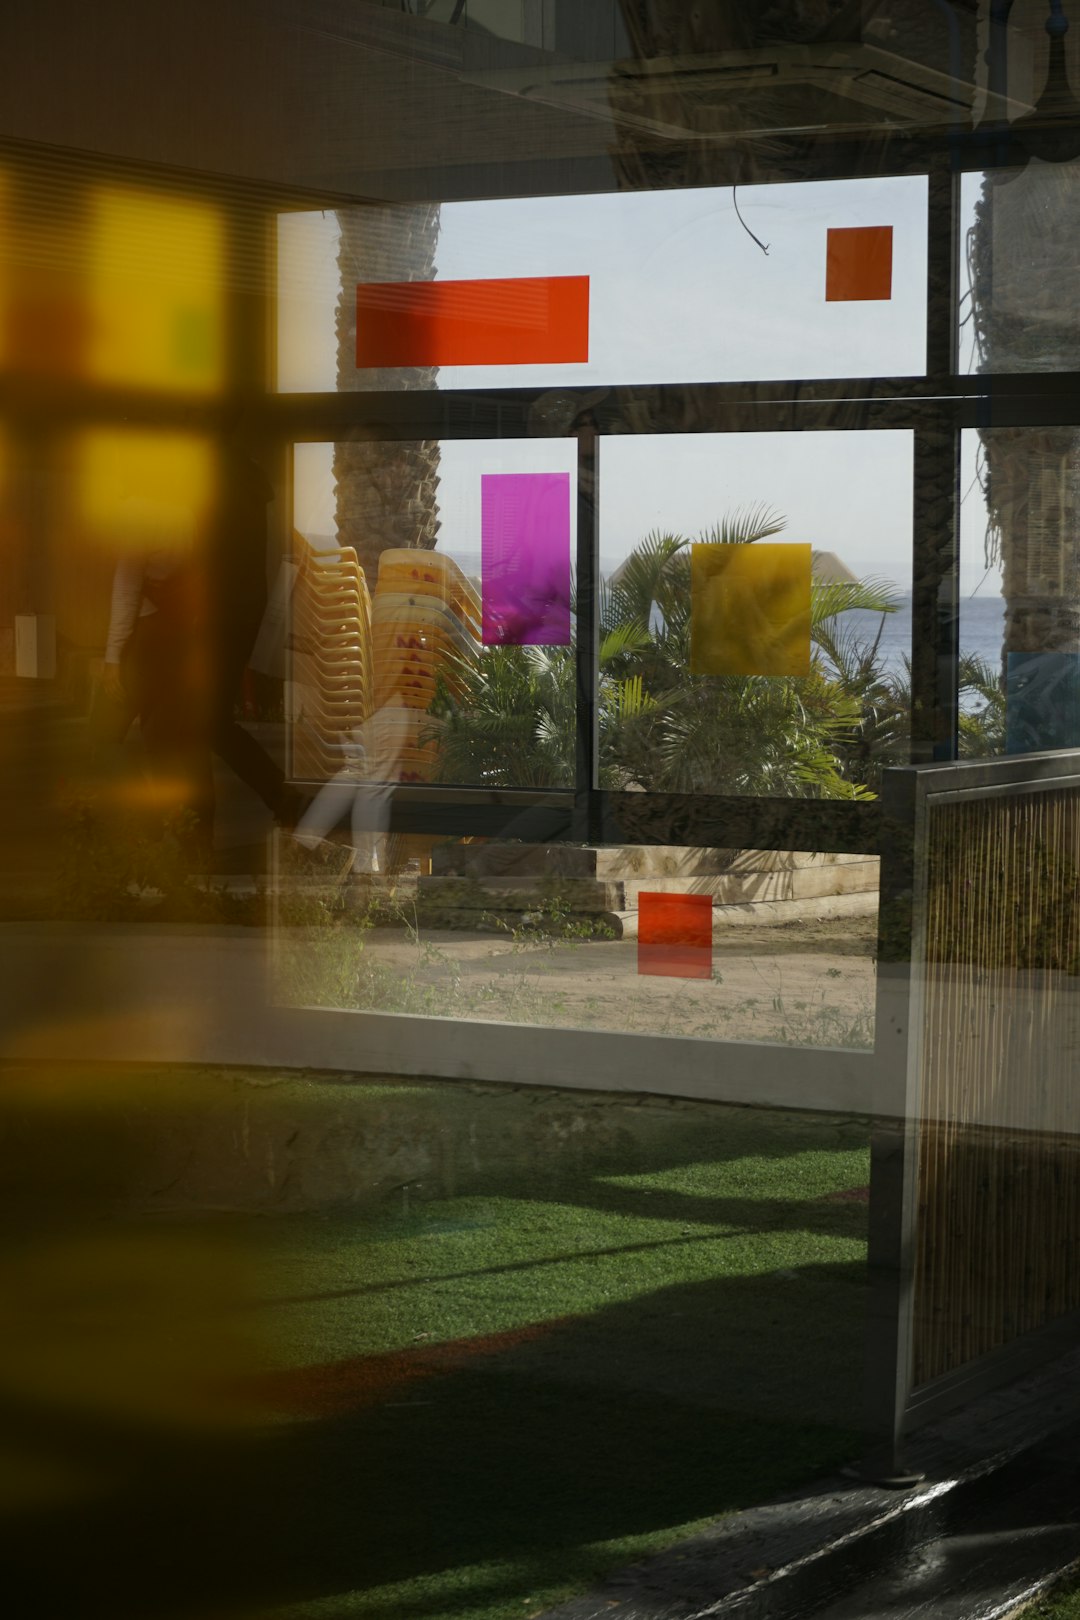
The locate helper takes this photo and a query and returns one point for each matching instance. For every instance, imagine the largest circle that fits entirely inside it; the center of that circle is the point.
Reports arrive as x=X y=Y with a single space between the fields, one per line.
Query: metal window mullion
x=587 y=647
x=935 y=628
x=935 y=605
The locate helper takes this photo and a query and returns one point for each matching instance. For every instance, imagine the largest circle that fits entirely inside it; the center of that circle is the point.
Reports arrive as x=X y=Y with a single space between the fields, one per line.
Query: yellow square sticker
x=750 y=609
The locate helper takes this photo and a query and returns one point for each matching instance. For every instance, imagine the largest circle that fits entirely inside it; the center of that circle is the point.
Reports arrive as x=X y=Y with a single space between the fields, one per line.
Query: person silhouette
x=184 y=618
x=362 y=791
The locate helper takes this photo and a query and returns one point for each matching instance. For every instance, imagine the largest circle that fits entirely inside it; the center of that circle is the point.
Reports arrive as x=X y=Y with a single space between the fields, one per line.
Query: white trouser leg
x=330 y=806
x=370 y=823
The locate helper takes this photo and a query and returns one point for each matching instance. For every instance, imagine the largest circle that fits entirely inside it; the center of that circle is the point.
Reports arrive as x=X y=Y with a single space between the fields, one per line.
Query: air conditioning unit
x=781 y=89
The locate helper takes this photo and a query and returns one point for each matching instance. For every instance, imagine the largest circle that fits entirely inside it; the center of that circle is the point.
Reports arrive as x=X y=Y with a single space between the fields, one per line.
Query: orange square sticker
x=858 y=263
x=675 y=935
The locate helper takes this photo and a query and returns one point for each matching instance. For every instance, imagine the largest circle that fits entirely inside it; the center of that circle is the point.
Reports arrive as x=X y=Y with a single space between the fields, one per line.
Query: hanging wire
x=743 y=223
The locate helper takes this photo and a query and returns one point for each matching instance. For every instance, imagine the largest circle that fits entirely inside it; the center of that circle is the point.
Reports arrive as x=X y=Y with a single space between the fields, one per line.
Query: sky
x=679 y=291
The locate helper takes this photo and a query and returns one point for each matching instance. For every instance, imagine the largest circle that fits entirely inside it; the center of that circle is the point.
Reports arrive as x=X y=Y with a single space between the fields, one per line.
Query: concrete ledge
x=766 y=913
x=620 y=861
x=469 y=895
x=200 y=995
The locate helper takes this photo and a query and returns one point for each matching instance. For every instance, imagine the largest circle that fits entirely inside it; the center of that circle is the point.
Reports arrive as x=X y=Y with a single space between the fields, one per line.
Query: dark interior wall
x=311 y=93
x=355 y=99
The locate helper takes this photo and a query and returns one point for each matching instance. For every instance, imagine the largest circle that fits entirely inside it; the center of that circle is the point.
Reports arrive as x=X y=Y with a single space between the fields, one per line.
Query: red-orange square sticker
x=858 y=263
x=675 y=935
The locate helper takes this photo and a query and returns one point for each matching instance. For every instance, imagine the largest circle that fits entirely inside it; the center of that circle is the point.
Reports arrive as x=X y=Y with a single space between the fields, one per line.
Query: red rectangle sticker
x=675 y=935
x=521 y=320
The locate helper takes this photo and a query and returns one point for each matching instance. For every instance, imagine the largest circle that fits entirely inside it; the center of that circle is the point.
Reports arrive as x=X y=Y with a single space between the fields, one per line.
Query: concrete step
x=617 y=861
x=766 y=913
x=583 y=894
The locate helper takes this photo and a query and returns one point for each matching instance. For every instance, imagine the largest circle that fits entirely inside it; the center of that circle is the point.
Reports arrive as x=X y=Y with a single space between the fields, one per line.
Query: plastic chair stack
x=425 y=626
x=333 y=685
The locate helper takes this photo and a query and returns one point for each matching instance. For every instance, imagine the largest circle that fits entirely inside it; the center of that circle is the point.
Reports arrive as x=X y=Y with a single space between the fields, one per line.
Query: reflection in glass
x=156 y=291
x=142 y=487
x=124 y=287
x=403 y=635
x=1020 y=596
x=5 y=269
x=1018 y=292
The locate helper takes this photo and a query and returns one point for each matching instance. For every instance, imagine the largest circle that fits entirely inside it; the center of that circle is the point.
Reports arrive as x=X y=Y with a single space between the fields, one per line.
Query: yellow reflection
x=133 y=1322
x=750 y=609
x=9 y=526
x=46 y=317
x=105 y=1312
x=5 y=269
x=156 y=305
x=143 y=489
x=148 y=793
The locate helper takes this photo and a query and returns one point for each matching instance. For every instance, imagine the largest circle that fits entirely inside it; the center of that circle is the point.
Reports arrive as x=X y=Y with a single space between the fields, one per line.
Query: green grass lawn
x=549 y=1333
x=1063 y=1604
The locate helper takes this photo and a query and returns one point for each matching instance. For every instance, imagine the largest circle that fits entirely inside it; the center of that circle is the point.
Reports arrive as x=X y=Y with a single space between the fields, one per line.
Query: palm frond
x=629 y=700
x=745 y=525
x=979 y=676
x=623 y=639
x=870 y=595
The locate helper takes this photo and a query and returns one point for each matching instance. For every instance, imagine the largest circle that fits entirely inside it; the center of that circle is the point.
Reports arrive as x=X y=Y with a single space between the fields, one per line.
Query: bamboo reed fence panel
x=998 y=1183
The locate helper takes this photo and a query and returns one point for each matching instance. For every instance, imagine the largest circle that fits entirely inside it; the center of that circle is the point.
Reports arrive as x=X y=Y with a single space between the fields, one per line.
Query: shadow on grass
x=556 y=1425
x=689 y=1402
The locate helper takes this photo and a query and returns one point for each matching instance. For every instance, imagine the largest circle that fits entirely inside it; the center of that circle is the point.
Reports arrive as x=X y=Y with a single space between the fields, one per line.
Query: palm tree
x=1021 y=255
x=511 y=723
x=731 y=733
x=386 y=493
x=662 y=728
x=982 y=718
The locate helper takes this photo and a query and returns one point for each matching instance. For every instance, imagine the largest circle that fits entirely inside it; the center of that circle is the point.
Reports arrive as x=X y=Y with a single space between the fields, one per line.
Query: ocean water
x=982 y=626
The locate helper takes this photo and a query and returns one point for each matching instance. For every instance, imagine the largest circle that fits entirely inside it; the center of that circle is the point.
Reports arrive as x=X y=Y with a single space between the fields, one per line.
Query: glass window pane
x=698 y=685
x=448 y=660
x=1020 y=591
x=671 y=287
x=700 y=944
x=1019 y=308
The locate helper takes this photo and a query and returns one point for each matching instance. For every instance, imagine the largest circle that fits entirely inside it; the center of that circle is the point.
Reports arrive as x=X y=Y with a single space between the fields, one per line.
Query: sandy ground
x=808 y=983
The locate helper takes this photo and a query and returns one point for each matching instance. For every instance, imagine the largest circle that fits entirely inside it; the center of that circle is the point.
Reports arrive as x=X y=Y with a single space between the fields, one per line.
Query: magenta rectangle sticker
x=525 y=559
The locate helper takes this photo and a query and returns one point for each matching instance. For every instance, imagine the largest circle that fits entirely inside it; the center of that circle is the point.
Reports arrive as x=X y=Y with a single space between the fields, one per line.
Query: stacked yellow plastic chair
x=333 y=689
x=425 y=626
